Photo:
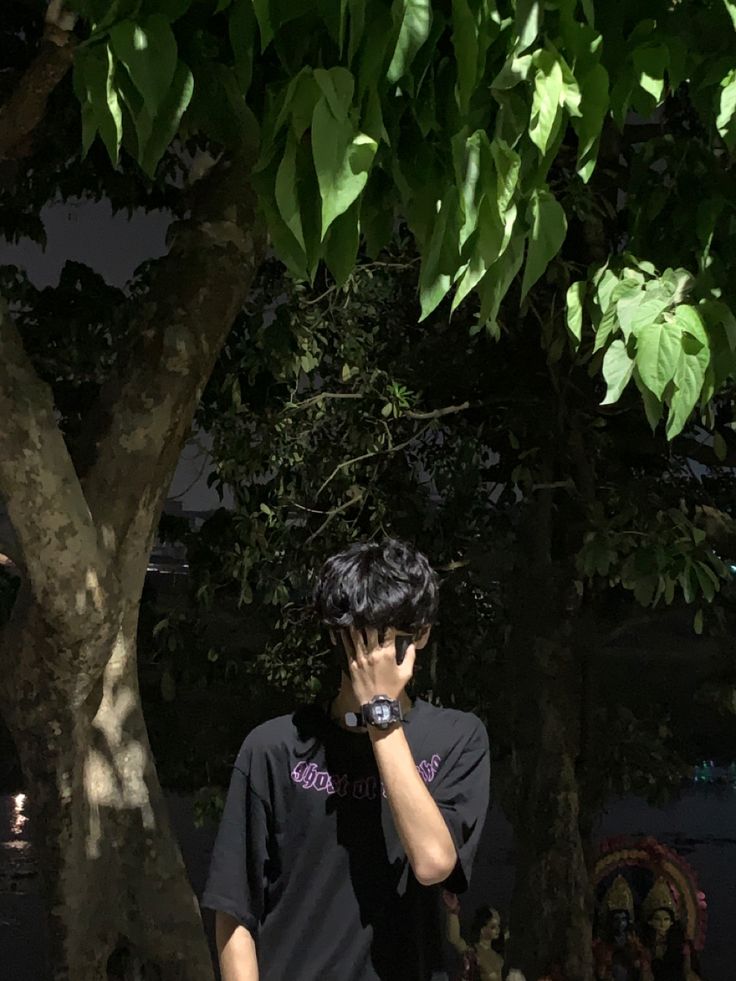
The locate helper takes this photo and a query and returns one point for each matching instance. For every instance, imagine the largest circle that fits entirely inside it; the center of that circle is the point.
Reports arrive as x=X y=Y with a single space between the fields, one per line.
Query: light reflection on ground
x=19 y=818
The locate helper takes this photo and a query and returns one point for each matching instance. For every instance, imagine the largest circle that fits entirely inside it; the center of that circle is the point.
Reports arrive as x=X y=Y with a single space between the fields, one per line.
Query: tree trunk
x=551 y=925
x=120 y=905
x=118 y=898
x=550 y=916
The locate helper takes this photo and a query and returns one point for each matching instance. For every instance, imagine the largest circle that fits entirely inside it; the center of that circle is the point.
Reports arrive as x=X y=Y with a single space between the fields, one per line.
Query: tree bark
x=114 y=880
x=550 y=914
x=24 y=110
x=118 y=897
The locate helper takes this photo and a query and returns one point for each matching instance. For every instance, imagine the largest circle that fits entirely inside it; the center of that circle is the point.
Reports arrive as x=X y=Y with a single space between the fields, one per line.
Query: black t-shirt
x=308 y=859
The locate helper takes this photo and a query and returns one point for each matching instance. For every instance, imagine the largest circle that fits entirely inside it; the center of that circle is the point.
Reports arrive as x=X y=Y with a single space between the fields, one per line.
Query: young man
x=344 y=822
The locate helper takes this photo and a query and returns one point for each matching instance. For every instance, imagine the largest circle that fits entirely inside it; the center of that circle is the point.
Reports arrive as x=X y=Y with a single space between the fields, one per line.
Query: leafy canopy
x=451 y=116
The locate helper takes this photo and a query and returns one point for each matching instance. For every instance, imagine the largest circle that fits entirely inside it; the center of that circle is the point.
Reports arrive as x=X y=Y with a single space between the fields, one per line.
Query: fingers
x=356 y=642
x=407 y=667
x=365 y=641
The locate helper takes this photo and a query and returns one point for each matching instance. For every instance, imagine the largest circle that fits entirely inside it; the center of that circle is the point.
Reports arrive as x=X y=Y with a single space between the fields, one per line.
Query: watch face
x=382 y=713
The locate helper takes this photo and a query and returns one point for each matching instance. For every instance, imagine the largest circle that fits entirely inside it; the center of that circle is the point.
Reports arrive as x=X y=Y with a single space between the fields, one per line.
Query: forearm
x=236 y=950
x=419 y=822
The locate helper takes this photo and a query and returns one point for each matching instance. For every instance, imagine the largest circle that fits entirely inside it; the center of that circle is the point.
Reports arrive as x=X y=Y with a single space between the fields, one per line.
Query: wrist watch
x=381 y=712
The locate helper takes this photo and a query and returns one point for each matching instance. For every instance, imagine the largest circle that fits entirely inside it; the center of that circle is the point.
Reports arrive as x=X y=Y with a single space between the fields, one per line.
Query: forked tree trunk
x=119 y=902
x=119 y=899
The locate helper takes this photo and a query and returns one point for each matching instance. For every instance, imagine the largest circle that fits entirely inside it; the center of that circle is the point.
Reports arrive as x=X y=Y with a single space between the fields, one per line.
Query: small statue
x=483 y=956
x=617 y=953
x=671 y=956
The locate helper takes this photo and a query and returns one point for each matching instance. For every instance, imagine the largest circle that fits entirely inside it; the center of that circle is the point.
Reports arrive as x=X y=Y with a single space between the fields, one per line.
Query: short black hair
x=379 y=585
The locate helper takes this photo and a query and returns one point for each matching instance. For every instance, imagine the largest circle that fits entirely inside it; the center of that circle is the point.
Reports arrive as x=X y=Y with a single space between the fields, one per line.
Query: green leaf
x=262 y=9
x=528 y=22
x=439 y=263
x=726 y=121
x=688 y=379
x=94 y=84
x=653 y=406
x=301 y=96
x=333 y=14
x=593 y=108
x=285 y=190
x=516 y=69
x=337 y=86
x=341 y=244
x=617 y=370
x=546 y=111
x=284 y=244
x=650 y=63
x=637 y=308
x=133 y=101
x=495 y=284
x=342 y=159
x=218 y=108
x=465 y=42
x=377 y=213
x=468 y=278
x=414 y=18
x=658 y=349
x=719 y=447
x=467 y=153
x=171 y=9
x=507 y=165
x=706 y=577
x=241 y=30
x=730 y=6
x=357 y=27
x=698 y=622
x=166 y=124
x=571 y=95
x=549 y=227
x=689 y=320
x=512 y=120
x=149 y=53
x=678 y=282
x=719 y=314
x=111 y=130
x=494 y=232
x=575 y=297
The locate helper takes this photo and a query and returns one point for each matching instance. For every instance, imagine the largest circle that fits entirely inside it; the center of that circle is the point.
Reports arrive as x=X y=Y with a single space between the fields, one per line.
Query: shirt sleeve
x=236 y=883
x=461 y=790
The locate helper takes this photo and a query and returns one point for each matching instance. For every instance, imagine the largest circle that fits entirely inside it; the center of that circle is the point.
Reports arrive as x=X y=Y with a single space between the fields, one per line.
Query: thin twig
x=439 y=413
x=318 y=299
x=332 y=515
x=320 y=396
x=367 y=456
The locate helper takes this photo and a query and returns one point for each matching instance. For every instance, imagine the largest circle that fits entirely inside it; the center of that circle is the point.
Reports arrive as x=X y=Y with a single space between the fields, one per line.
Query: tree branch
x=321 y=397
x=26 y=107
x=438 y=413
x=45 y=503
x=373 y=453
x=333 y=514
x=196 y=291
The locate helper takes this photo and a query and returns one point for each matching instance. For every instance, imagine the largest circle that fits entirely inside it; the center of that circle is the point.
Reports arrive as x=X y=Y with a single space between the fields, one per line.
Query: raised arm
x=419 y=822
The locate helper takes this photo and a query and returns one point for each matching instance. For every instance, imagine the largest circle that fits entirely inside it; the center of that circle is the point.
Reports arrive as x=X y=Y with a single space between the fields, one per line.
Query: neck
x=346 y=701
